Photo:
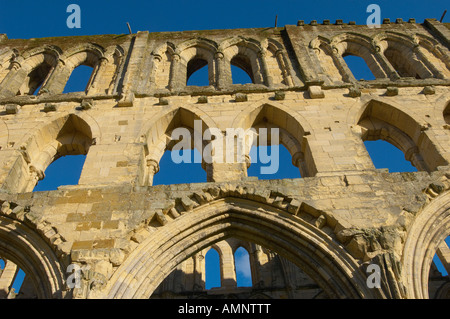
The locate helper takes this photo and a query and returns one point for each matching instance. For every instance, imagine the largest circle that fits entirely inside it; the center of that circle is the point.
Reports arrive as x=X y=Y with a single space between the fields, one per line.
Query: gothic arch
x=192 y=55
x=332 y=51
x=30 y=252
x=68 y=134
x=88 y=54
x=381 y=120
x=401 y=52
x=316 y=253
x=437 y=55
x=247 y=54
x=156 y=136
x=293 y=131
x=429 y=228
x=30 y=70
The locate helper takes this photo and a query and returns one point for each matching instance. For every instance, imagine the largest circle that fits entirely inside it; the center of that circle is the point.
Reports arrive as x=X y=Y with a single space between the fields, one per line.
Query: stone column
x=154 y=63
x=153 y=168
x=267 y=79
x=443 y=253
x=13 y=80
x=223 y=75
x=57 y=81
x=298 y=160
x=175 y=70
x=36 y=175
x=96 y=76
x=385 y=64
x=342 y=65
x=284 y=68
x=424 y=59
x=416 y=159
x=7 y=279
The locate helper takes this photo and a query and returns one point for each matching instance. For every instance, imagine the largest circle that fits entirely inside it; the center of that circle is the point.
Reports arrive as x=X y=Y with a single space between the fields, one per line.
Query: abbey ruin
x=311 y=237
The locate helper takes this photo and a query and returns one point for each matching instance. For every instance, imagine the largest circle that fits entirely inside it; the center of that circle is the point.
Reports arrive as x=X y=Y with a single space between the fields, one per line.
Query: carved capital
x=219 y=55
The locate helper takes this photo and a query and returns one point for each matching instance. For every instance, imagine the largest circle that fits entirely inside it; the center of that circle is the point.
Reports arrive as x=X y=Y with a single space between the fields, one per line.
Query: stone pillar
x=347 y=74
x=7 y=279
x=424 y=59
x=13 y=80
x=267 y=79
x=153 y=168
x=416 y=159
x=57 y=81
x=36 y=175
x=199 y=261
x=298 y=160
x=154 y=67
x=223 y=75
x=284 y=68
x=385 y=64
x=443 y=253
x=96 y=76
x=175 y=70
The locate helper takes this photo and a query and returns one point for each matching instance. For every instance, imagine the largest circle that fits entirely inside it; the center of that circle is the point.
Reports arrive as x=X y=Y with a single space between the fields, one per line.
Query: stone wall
x=340 y=217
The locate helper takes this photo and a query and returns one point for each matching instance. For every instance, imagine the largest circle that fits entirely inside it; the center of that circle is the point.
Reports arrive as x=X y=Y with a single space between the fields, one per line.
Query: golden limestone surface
x=343 y=230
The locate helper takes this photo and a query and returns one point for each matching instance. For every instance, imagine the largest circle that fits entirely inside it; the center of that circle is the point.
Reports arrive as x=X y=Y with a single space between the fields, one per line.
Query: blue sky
x=28 y=19
x=32 y=19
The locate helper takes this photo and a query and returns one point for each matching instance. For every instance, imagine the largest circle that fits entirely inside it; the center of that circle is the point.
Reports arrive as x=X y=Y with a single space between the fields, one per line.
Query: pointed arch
x=381 y=120
x=24 y=247
x=293 y=129
x=321 y=258
x=246 y=54
x=31 y=70
x=67 y=134
x=193 y=55
x=332 y=51
x=87 y=54
x=429 y=229
x=401 y=52
x=157 y=136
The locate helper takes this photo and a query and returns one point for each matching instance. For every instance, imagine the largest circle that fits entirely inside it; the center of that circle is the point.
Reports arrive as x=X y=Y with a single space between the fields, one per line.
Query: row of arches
x=264 y=62
x=47 y=69
x=391 y=55
x=233 y=268
x=74 y=135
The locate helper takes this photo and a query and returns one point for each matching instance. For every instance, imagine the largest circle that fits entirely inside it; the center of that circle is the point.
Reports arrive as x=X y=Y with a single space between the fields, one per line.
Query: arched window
x=65 y=170
x=79 y=79
x=35 y=79
x=241 y=70
x=265 y=156
x=212 y=269
x=386 y=155
x=406 y=134
x=401 y=63
x=171 y=172
x=358 y=67
x=197 y=72
x=242 y=268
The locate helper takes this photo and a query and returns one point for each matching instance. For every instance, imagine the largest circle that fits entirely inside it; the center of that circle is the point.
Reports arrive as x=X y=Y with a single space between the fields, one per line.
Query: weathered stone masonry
x=311 y=237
